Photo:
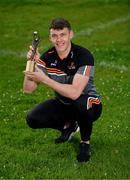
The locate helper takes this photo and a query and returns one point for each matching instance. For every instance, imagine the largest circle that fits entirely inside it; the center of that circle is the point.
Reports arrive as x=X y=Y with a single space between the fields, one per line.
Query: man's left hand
x=38 y=76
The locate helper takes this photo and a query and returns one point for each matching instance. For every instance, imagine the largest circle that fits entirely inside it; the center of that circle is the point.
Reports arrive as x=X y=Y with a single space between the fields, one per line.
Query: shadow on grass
x=75 y=143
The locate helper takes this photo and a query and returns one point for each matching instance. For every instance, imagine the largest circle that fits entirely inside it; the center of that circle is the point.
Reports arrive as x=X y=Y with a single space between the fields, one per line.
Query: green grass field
x=103 y=27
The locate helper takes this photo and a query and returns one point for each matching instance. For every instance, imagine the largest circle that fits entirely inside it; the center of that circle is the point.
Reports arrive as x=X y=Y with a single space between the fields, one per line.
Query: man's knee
x=31 y=121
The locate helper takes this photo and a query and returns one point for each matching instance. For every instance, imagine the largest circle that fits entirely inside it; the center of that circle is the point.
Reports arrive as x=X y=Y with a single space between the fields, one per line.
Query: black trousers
x=54 y=114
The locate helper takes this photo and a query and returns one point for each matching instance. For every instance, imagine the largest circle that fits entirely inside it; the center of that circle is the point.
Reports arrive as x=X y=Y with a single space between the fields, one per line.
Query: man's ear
x=71 y=34
x=49 y=38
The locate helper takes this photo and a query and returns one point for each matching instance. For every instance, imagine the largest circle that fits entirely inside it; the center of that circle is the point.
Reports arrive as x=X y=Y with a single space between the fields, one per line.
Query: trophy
x=31 y=62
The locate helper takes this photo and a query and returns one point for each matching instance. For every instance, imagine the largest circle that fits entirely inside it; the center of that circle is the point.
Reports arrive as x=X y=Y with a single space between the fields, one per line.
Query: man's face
x=61 y=39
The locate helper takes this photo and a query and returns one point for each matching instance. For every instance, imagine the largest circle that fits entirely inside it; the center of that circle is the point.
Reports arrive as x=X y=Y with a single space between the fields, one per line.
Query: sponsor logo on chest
x=54 y=64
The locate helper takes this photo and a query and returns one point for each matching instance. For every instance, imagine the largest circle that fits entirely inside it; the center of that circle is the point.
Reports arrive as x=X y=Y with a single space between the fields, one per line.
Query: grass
x=32 y=154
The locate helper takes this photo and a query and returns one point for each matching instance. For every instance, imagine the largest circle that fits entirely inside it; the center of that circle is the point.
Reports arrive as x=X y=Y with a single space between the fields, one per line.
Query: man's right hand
x=30 y=52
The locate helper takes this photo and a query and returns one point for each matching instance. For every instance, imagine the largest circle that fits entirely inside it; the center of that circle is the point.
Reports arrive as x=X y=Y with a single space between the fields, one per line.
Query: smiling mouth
x=60 y=45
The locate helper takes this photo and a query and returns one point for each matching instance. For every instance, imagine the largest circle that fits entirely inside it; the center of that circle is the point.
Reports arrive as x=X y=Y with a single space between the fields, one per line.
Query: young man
x=69 y=70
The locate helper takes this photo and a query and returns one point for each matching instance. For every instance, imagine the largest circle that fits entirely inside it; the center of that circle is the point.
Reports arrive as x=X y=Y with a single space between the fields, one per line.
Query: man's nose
x=58 y=38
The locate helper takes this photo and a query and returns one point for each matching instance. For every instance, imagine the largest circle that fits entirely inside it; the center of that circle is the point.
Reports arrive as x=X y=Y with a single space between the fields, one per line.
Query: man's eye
x=63 y=34
x=54 y=35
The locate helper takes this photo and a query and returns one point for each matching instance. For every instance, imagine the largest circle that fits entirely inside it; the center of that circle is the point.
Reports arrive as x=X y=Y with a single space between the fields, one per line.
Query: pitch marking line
x=88 y=32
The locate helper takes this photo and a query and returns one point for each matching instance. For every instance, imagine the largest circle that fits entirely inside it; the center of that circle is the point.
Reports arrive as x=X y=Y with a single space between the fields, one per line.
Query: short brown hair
x=59 y=23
